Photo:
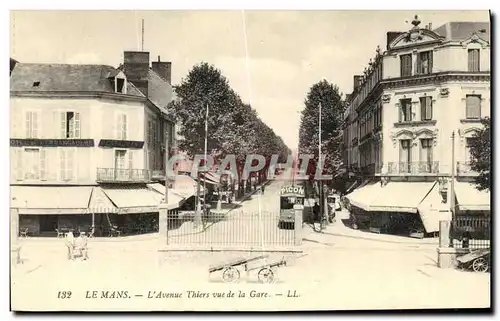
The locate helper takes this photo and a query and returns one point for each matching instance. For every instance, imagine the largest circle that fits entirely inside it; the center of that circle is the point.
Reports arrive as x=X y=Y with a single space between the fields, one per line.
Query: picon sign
x=292 y=190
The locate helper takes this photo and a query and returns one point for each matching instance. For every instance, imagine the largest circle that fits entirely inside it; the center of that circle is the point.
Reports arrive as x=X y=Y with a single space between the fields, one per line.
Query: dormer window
x=36 y=84
x=120 y=85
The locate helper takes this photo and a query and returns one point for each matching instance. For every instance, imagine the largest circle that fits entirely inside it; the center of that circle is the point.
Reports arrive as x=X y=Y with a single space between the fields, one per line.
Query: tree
x=332 y=109
x=481 y=155
x=233 y=127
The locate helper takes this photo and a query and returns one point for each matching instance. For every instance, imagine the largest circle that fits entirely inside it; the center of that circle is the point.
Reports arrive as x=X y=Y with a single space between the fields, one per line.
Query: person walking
x=263 y=187
x=70 y=244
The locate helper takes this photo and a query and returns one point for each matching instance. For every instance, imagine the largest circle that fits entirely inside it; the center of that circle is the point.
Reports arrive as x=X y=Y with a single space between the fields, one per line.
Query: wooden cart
x=266 y=272
x=477 y=260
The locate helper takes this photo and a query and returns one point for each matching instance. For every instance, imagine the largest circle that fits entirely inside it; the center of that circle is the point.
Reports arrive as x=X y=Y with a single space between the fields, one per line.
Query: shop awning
x=210 y=178
x=50 y=200
x=186 y=186
x=400 y=196
x=351 y=187
x=175 y=199
x=432 y=210
x=469 y=198
x=133 y=199
x=100 y=203
x=393 y=197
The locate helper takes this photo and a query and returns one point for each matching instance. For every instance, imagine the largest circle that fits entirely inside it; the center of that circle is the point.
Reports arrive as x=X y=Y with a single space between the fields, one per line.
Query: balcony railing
x=409 y=168
x=116 y=175
x=464 y=169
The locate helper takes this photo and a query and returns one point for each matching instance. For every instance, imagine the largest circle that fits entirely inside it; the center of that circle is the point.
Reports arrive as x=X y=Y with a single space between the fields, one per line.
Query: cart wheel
x=230 y=275
x=480 y=265
x=266 y=275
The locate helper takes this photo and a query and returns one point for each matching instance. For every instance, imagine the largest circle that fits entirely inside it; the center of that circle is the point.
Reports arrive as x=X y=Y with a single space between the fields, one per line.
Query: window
x=404 y=156
x=287 y=203
x=424 y=62
x=31 y=124
x=426 y=108
x=120 y=85
x=406 y=62
x=473 y=107
x=67 y=164
x=405 y=111
x=426 y=154
x=469 y=143
x=70 y=124
x=122 y=127
x=473 y=60
x=34 y=164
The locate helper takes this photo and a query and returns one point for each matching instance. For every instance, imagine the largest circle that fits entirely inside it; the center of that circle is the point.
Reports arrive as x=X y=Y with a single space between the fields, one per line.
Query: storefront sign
x=292 y=190
x=121 y=143
x=52 y=142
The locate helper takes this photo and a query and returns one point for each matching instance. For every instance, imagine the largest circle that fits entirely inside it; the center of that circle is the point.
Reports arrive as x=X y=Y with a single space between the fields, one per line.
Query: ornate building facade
x=427 y=85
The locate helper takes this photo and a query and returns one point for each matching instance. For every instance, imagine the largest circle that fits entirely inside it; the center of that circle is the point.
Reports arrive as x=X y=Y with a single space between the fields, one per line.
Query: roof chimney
x=430 y=25
x=163 y=69
x=136 y=68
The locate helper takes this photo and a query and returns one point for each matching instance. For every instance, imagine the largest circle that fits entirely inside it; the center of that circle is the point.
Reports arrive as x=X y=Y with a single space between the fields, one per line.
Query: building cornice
x=435 y=78
x=77 y=94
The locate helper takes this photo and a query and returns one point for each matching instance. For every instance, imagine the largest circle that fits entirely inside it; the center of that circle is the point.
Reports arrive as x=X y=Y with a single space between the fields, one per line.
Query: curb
x=378 y=240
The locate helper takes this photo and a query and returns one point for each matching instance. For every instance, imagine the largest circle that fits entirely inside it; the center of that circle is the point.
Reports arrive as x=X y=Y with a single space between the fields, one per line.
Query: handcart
x=266 y=272
x=230 y=272
x=477 y=260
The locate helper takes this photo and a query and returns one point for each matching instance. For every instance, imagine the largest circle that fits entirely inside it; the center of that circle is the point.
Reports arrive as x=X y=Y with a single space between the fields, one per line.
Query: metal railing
x=236 y=228
x=470 y=232
x=464 y=169
x=409 y=168
x=111 y=175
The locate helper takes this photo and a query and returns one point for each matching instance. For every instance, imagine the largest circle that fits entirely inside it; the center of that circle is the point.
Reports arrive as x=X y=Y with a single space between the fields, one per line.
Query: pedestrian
x=316 y=212
x=70 y=244
x=263 y=188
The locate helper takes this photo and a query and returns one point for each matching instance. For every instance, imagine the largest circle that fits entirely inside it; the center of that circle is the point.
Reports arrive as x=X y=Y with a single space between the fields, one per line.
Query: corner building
x=428 y=85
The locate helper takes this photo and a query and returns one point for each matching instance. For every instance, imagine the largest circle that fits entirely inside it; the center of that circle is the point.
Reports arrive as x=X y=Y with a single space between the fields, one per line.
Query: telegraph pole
x=166 y=163
x=452 y=183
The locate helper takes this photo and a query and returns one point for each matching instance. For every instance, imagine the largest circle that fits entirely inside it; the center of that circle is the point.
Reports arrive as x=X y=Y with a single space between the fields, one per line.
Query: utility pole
x=167 y=136
x=205 y=178
x=142 y=29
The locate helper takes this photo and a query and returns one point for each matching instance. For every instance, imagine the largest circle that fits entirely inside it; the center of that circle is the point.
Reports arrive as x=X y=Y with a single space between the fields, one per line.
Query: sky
x=271 y=58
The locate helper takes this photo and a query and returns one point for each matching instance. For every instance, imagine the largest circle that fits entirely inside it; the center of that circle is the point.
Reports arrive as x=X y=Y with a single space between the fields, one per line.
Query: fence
x=236 y=228
x=471 y=232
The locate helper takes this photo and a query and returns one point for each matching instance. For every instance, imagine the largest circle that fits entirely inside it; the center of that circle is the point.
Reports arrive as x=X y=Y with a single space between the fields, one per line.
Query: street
x=334 y=272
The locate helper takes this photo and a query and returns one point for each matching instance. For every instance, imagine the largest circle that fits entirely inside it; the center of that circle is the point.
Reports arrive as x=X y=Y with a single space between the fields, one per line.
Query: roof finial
x=415 y=22
x=378 y=50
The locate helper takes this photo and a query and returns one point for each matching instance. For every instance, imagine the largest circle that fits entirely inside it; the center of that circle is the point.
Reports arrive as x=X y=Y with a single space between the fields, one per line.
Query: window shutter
x=431 y=61
x=422 y=108
x=18 y=163
x=63 y=124
x=401 y=106
x=130 y=159
x=418 y=64
x=55 y=126
x=43 y=165
x=125 y=127
x=34 y=124
x=428 y=110
x=28 y=124
x=70 y=164
x=76 y=125
x=62 y=165
x=429 y=151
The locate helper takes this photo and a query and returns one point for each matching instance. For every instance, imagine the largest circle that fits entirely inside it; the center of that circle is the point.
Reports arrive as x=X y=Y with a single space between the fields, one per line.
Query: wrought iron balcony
x=409 y=168
x=464 y=169
x=116 y=175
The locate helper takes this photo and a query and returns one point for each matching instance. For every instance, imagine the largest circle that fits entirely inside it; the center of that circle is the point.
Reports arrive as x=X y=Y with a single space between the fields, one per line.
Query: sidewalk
x=338 y=229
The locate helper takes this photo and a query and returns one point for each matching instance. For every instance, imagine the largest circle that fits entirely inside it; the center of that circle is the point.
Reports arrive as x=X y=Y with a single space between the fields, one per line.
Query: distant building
x=401 y=115
x=89 y=139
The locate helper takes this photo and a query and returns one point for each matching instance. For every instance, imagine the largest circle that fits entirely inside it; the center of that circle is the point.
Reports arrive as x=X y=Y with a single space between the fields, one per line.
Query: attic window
x=36 y=84
x=120 y=84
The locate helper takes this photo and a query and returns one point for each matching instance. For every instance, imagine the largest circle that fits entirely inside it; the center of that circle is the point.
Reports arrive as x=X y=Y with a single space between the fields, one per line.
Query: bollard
x=444 y=233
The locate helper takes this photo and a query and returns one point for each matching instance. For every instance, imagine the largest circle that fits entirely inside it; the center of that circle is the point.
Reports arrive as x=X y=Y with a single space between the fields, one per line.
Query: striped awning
x=100 y=203
x=50 y=200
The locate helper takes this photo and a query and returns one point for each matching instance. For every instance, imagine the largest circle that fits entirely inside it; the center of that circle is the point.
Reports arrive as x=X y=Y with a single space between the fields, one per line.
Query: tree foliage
x=332 y=109
x=233 y=126
x=481 y=155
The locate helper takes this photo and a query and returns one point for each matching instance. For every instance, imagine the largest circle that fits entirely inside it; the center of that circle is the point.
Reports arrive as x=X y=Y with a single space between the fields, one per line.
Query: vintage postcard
x=250 y=160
